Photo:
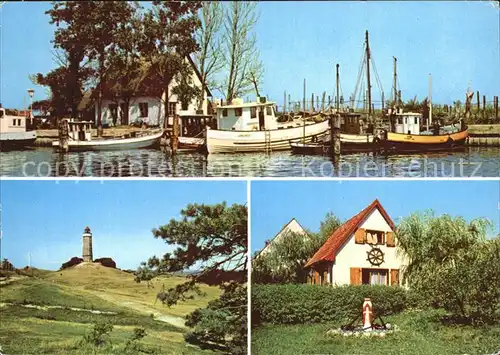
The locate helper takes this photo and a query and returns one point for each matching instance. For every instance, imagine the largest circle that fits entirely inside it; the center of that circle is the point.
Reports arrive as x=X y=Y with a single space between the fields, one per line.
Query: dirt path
x=145 y=309
x=8 y=280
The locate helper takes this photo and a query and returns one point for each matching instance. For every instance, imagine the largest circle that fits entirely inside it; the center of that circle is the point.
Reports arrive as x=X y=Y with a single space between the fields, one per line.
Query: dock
x=484 y=135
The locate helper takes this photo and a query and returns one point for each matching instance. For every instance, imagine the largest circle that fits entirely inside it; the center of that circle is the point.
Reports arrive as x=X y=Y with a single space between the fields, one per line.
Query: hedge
x=298 y=304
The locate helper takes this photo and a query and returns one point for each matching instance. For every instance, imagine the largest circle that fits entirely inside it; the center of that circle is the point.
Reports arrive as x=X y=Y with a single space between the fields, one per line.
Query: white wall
x=292 y=227
x=355 y=255
x=155 y=111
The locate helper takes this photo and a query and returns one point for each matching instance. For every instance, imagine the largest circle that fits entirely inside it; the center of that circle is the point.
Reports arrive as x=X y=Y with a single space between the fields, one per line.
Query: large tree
x=284 y=263
x=209 y=58
x=168 y=39
x=243 y=69
x=451 y=264
x=212 y=239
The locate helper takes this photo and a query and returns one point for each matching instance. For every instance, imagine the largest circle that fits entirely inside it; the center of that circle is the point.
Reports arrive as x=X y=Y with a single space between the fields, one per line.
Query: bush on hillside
x=71 y=262
x=296 y=304
x=108 y=262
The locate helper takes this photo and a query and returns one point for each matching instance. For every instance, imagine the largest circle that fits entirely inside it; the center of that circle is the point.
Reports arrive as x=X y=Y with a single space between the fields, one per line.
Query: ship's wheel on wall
x=375 y=256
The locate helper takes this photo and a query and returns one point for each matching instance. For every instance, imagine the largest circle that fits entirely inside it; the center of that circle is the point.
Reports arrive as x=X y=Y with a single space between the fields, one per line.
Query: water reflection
x=44 y=162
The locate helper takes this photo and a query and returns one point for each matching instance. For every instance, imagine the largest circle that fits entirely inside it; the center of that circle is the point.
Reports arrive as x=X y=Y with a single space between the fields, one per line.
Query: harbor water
x=45 y=162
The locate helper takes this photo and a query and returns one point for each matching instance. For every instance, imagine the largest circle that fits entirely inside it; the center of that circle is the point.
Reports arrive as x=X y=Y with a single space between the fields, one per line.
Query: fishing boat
x=253 y=127
x=13 y=132
x=408 y=138
x=77 y=136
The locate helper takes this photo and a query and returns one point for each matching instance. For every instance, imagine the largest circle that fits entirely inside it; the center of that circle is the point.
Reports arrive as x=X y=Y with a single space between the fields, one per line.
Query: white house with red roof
x=361 y=251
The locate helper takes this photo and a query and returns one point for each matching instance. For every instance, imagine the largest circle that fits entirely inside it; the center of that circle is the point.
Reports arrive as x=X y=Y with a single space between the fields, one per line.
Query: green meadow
x=52 y=313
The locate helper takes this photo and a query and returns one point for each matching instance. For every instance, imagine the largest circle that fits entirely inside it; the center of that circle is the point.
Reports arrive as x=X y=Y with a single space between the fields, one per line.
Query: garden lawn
x=421 y=333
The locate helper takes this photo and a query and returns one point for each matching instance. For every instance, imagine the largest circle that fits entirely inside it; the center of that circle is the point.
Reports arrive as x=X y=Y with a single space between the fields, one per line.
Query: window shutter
x=390 y=239
x=359 y=236
x=394 y=277
x=355 y=276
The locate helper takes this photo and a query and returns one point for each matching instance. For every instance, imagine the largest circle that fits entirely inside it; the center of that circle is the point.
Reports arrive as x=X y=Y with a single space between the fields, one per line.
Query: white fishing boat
x=13 y=133
x=77 y=136
x=253 y=127
x=191 y=143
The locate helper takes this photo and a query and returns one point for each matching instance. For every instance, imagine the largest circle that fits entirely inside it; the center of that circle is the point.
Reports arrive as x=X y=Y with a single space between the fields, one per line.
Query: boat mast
x=429 y=121
x=368 y=74
x=337 y=101
x=395 y=104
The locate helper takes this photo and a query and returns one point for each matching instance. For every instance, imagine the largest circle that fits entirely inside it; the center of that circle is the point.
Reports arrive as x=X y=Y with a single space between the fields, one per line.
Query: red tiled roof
x=328 y=250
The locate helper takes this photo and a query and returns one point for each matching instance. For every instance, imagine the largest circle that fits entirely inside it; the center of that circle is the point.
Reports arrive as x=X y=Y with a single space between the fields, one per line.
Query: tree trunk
x=99 y=100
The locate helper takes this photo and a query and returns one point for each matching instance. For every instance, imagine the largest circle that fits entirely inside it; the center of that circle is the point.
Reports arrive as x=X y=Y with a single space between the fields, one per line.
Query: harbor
x=158 y=163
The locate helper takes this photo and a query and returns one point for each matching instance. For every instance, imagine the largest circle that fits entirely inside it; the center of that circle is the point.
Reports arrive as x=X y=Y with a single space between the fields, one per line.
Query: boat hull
x=397 y=142
x=262 y=141
x=191 y=143
x=16 y=140
x=148 y=141
x=349 y=143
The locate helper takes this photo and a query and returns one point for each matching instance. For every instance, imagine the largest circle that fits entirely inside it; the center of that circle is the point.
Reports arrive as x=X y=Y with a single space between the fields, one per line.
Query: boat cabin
x=11 y=124
x=79 y=130
x=250 y=116
x=407 y=123
x=350 y=122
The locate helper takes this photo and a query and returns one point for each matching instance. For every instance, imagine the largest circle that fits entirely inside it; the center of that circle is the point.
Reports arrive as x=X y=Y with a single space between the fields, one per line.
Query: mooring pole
x=304 y=116
x=484 y=106
x=429 y=121
x=174 y=139
x=337 y=98
x=496 y=106
x=368 y=74
x=478 y=104
x=284 y=103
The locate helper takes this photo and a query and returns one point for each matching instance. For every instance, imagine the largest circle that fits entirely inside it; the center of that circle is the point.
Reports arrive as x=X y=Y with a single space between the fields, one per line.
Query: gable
x=291 y=227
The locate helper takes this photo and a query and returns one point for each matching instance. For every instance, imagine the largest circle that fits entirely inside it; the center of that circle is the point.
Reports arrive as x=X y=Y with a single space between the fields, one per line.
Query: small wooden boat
x=192 y=143
x=253 y=127
x=76 y=136
x=13 y=133
x=349 y=143
x=407 y=137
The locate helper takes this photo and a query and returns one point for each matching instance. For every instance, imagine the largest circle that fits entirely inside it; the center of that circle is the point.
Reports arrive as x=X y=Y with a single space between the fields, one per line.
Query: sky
x=457 y=42
x=275 y=203
x=47 y=218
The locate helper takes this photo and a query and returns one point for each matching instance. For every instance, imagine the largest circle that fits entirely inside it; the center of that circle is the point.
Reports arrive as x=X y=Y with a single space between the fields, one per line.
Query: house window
x=224 y=112
x=143 y=109
x=406 y=120
x=184 y=105
x=19 y=122
x=416 y=120
x=269 y=111
x=374 y=277
x=238 y=112
x=253 y=112
x=14 y=122
x=400 y=120
x=374 y=237
x=172 y=106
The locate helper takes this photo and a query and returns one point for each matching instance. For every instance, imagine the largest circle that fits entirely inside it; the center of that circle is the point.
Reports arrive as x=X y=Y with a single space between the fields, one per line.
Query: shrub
x=99 y=335
x=108 y=262
x=293 y=304
x=71 y=262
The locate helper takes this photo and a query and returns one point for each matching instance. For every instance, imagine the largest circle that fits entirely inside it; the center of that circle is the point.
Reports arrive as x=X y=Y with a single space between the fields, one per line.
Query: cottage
x=150 y=109
x=291 y=227
x=361 y=251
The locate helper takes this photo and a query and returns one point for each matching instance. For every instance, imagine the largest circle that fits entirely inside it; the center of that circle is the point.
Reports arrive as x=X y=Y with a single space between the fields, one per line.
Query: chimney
x=87 y=245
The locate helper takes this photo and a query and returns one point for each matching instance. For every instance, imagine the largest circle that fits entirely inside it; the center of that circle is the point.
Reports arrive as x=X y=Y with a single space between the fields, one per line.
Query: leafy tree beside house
x=451 y=264
x=284 y=263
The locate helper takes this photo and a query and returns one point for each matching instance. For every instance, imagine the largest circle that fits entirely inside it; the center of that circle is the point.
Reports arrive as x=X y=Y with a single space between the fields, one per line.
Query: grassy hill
x=52 y=312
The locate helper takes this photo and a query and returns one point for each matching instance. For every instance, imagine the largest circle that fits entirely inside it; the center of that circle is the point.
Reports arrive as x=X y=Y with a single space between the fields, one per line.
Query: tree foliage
x=285 y=260
x=243 y=69
x=451 y=264
x=212 y=239
x=167 y=40
x=71 y=262
x=209 y=58
x=7 y=265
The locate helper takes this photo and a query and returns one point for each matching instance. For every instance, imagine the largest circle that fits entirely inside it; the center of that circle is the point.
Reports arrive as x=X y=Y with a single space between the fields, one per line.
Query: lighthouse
x=87 y=245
